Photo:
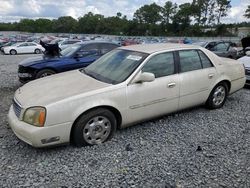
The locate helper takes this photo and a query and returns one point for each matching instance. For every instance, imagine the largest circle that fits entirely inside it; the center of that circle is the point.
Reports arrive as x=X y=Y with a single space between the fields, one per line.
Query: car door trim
x=151 y=103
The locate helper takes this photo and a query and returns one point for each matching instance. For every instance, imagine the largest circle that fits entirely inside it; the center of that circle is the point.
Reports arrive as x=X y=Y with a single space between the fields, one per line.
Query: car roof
x=152 y=48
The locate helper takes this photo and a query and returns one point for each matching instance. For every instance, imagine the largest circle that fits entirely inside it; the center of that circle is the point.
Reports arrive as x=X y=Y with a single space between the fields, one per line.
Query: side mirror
x=144 y=77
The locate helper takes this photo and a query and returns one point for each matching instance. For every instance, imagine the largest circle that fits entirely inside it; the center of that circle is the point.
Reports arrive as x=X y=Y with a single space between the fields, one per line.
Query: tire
x=13 y=52
x=37 y=51
x=218 y=96
x=44 y=73
x=90 y=129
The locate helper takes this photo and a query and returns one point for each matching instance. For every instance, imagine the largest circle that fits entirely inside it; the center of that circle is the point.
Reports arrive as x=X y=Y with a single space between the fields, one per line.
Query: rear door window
x=189 y=60
x=206 y=63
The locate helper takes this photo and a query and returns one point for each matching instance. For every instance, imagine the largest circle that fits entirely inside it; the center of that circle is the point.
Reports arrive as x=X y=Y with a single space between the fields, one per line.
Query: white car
x=246 y=62
x=66 y=43
x=23 y=48
x=126 y=86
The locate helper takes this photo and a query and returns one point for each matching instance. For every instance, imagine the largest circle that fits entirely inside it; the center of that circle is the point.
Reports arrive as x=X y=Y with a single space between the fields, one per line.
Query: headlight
x=35 y=116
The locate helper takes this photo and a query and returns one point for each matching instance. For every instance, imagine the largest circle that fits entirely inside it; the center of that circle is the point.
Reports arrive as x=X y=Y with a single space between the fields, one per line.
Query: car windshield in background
x=67 y=52
x=202 y=44
x=116 y=66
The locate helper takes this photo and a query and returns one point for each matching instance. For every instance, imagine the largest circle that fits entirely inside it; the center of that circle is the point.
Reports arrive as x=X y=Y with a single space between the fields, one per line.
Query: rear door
x=197 y=76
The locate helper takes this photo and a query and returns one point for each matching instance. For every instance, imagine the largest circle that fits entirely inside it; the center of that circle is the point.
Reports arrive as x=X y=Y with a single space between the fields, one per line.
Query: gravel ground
x=193 y=148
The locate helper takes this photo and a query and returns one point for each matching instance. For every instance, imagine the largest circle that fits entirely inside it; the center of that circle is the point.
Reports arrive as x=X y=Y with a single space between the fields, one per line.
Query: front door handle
x=171 y=85
x=210 y=76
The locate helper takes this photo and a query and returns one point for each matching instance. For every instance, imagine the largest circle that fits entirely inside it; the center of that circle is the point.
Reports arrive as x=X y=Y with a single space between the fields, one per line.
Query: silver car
x=221 y=48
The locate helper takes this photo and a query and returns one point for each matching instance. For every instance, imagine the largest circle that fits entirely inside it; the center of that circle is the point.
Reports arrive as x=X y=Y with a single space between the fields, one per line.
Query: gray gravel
x=193 y=148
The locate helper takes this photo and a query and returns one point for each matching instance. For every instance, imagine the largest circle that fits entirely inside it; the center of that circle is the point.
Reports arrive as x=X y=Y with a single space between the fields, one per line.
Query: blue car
x=74 y=57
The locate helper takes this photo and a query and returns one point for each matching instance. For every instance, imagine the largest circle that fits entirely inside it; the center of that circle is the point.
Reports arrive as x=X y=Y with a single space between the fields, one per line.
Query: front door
x=161 y=96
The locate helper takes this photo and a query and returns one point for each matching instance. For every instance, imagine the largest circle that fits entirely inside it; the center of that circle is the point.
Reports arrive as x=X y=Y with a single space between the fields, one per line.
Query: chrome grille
x=247 y=71
x=17 y=108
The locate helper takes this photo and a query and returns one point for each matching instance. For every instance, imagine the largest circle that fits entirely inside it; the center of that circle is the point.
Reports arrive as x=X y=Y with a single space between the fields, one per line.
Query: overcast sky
x=14 y=10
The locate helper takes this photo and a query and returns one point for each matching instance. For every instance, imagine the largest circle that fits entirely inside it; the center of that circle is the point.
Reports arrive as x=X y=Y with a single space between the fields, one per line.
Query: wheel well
x=112 y=109
x=47 y=68
x=227 y=83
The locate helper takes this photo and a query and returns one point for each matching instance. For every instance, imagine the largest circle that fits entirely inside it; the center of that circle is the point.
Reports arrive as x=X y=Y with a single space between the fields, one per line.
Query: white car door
x=22 y=48
x=161 y=96
x=31 y=48
x=197 y=76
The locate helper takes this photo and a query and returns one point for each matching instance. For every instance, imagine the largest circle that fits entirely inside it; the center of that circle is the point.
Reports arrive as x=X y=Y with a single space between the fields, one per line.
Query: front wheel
x=94 y=127
x=218 y=96
x=37 y=51
x=13 y=52
x=44 y=73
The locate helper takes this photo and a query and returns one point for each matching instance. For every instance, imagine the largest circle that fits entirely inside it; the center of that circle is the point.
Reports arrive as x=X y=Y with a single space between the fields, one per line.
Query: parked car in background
x=128 y=85
x=10 y=43
x=245 y=42
x=245 y=60
x=221 y=48
x=74 y=57
x=65 y=43
x=2 y=43
x=22 y=48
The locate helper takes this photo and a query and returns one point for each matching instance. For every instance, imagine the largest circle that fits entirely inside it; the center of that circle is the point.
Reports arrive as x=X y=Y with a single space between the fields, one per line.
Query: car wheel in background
x=218 y=96
x=44 y=73
x=37 y=51
x=13 y=52
x=94 y=127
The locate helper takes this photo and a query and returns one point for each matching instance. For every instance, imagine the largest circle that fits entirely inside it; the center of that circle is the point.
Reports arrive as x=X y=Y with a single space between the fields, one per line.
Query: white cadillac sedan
x=126 y=86
x=23 y=48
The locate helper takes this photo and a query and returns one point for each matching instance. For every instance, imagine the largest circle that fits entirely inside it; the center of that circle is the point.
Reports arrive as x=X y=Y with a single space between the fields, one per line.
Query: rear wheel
x=218 y=96
x=13 y=52
x=94 y=127
x=37 y=51
x=44 y=73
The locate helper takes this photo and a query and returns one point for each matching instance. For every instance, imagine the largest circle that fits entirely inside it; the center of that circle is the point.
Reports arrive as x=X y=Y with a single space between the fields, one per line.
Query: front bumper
x=39 y=136
x=26 y=74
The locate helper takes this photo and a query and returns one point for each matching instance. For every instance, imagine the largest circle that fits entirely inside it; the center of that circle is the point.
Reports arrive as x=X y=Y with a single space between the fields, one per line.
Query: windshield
x=70 y=50
x=116 y=66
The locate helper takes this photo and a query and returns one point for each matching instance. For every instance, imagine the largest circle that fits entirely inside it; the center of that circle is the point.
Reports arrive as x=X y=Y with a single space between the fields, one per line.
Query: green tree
x=65 y=24
x=91 y=23
x=43 y=25
x=222 y=7
x=168 y=11
x=182 y=18
x=26 y=25
x=247 y=12
x=150 y=14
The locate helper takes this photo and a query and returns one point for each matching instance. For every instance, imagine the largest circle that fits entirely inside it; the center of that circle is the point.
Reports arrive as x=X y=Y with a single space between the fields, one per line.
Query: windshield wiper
x=91 y=75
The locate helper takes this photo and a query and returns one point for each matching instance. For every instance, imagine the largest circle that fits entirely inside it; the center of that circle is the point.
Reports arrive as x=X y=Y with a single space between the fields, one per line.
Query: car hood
x=37 y=59
x=55 y=88
x=245 y=60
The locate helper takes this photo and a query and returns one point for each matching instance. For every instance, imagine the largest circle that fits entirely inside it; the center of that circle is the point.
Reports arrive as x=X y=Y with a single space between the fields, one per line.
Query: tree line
x=187 y=19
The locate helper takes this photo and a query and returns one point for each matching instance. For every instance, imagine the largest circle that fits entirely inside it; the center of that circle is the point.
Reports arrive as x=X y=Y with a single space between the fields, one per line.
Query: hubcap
x=46 y=74
x=97 y=130
x=219 y=95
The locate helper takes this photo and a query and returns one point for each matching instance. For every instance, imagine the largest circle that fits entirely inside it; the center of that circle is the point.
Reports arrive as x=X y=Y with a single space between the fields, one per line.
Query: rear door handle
x=171 y=85
x=210 y=76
